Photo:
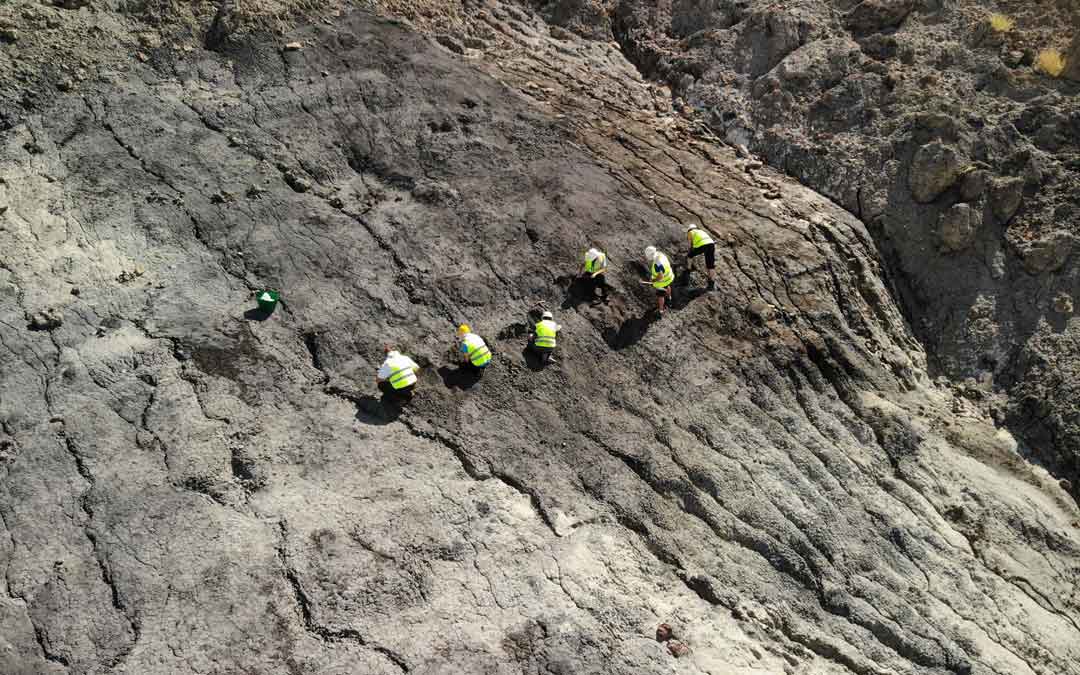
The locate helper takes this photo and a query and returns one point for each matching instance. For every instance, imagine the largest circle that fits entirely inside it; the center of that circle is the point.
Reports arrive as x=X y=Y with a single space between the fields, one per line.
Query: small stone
x=337 y=203
x=1013 y=58
x=1063 y=304
x=451 y=43
x=65 y=84
x=75 y=291
x=48 y=319
x=664 y=632
x=293 y=46
x=141 y=56
x=9 y=35
x=297 y=183
x=678 y=649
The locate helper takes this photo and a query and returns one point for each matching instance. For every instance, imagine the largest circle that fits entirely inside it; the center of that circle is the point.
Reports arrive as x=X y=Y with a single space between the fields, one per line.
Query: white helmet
x=592 y=254
x=546 y=315
x=650 y=252
x=691 y=227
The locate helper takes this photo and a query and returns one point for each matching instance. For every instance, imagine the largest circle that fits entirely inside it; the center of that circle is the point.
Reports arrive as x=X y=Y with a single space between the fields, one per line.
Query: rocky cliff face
x=190 y=486
x=941 y=134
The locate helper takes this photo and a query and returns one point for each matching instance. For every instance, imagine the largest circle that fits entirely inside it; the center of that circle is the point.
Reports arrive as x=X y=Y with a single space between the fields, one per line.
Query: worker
x=474 y=351
x=702 y=242
x=397 y=374
x=661 y=275
x=595 y=267
x=543 y=341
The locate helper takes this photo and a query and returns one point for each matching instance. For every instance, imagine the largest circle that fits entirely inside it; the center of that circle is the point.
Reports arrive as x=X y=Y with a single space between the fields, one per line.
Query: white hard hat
x=592 y=254
x=650 y=252
x=691 y=227
x=546 y=315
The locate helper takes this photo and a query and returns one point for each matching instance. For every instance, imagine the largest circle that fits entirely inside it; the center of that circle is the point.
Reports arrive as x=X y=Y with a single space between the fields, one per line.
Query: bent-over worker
x=397 y=374
x=474 y=351
x=701 y=242
x=595 y=266
x=544 y=336
x=661 y=275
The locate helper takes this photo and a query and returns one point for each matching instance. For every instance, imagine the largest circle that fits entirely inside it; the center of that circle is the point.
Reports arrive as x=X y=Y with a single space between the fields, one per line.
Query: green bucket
x=267 y=300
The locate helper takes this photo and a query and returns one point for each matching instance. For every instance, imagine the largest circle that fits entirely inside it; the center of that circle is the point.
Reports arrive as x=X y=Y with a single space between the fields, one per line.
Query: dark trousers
x=599 y=282
x=710 y=255
x=543 y=352
x=404 y=393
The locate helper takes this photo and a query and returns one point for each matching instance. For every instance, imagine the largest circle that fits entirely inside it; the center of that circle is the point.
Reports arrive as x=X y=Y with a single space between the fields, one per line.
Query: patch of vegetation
x=1001 y=23
x=1051 y=62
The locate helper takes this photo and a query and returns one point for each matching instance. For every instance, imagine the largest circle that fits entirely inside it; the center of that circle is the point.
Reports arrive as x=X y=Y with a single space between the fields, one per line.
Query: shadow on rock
x=630 y=332
x=257 y=314
x=461 y=377
x=378 y=411
x=533 y=360
x=579 y=290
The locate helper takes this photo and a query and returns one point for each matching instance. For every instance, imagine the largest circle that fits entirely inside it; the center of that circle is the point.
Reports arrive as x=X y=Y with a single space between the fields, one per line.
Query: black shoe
x=711 y=286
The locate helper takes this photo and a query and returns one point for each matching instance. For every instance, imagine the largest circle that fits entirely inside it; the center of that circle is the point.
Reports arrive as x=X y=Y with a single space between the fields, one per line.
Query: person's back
x=397 y=372
x=475 y=350
x=545 y=336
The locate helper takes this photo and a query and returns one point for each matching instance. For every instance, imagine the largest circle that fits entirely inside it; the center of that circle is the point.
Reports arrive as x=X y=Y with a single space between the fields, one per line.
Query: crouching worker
x=661 y=275
x=544 y=335
x=397 y=375
x=474 y=351
x=596 y=265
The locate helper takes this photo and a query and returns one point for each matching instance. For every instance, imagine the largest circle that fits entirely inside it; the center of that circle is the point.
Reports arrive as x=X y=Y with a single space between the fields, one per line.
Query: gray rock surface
x=189 y=486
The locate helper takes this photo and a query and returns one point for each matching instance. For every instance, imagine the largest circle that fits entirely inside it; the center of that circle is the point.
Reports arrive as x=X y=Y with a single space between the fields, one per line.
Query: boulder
x=1063 y=304
x=873 y=16
x=974 y=184
x=1072 y=59
x=1005 y=197
x=818 y=65
x=957 y=227
x=934 y=169
x=47 y=319
x=1047 y=254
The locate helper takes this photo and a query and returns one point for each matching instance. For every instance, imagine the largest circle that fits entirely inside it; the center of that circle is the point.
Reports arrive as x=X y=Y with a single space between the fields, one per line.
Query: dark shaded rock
x=297 y=183
x=1005 y=197
x=664 y=632
x=974 y=184
x=450 y=42
x=1063 y=304
x=872 y=16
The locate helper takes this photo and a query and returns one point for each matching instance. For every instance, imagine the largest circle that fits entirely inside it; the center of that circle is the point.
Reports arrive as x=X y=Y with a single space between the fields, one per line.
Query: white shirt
x=472 y=340
x=395 y=361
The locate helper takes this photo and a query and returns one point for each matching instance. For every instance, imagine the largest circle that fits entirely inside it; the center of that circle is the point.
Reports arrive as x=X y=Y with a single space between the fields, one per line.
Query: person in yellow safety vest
x=595 y=266
x=544 y=336
x=474 y=351
x=661 y=275
x=701 y=242
x=397 y=374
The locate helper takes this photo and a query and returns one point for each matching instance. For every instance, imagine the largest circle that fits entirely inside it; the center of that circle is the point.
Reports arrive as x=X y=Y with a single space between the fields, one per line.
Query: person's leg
x=710 y=264
x=660 y=296
x=601 y=283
